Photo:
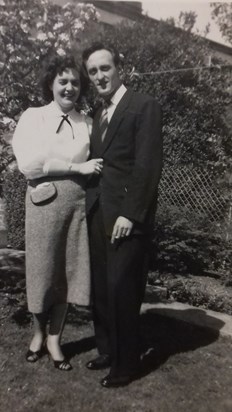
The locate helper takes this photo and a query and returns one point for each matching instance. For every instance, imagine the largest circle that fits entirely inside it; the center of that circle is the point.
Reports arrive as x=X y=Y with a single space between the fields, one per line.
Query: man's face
x=103 y=73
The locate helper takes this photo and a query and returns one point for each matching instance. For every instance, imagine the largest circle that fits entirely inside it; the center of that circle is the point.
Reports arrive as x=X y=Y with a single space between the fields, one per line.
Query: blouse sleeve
x=28 y=146
x=38 y=152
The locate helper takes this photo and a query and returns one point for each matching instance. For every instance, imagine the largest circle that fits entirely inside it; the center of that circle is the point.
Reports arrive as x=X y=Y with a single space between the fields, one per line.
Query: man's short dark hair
x=101 y=46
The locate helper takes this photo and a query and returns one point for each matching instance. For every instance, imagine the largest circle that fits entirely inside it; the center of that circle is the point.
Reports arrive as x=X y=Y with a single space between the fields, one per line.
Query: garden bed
x=202 y=291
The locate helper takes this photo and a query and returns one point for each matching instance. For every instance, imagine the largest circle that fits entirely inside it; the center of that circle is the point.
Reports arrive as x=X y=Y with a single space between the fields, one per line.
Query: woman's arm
x=28 y=146
x=55 y=167
x=33 y=156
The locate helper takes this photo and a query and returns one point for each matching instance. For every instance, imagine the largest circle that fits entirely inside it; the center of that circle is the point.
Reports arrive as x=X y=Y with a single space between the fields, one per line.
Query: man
x=120 y=209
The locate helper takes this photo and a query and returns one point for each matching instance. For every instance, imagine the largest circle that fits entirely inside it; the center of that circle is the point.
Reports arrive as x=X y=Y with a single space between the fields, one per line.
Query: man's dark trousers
x=119 y=278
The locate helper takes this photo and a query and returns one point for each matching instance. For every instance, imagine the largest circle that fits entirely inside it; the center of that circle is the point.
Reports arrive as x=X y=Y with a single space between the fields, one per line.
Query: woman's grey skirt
x=57 y=251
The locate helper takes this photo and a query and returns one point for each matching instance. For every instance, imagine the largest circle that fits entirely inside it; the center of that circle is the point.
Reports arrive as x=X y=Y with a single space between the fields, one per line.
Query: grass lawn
x=186 y=368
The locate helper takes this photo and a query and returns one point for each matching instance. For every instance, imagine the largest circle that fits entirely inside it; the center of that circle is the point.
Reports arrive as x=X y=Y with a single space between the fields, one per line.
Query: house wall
x=114 y=12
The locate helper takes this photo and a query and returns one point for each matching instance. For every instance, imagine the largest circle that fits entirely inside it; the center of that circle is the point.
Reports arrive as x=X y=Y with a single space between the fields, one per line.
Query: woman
x=51 y=144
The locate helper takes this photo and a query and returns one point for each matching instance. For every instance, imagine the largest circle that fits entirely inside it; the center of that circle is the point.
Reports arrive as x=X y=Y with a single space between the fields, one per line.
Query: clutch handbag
x=43 y=192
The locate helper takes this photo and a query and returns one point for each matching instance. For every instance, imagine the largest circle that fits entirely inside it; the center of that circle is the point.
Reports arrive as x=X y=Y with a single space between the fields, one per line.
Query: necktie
x=103 y=121
x=64 y=119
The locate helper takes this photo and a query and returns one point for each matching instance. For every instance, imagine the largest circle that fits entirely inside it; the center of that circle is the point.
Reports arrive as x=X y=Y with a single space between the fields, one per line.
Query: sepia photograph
x=115 y=206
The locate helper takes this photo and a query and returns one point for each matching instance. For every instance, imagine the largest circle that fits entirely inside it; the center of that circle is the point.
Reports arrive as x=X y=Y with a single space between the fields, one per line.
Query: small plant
x=14 y=189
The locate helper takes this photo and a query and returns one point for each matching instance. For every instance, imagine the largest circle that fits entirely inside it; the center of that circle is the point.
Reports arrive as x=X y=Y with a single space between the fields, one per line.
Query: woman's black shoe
x=34 y=356
x=63 y=365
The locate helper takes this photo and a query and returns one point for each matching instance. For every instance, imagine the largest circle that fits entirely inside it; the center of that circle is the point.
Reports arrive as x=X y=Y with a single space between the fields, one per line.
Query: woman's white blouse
x=38 y=147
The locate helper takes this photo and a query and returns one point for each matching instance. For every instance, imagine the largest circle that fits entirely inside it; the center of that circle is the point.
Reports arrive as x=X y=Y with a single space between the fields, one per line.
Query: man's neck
x=109 y=96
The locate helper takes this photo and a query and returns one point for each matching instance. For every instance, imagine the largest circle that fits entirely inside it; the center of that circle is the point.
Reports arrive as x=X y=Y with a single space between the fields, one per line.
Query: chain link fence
x=192 y=190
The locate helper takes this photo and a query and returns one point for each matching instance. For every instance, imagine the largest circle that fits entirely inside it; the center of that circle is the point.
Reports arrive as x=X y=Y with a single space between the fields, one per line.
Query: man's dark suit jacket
x=132 y=154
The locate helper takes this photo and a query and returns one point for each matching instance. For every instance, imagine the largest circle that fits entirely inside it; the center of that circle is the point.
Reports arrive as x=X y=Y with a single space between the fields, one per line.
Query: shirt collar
x=57 y=112
x=115 y=99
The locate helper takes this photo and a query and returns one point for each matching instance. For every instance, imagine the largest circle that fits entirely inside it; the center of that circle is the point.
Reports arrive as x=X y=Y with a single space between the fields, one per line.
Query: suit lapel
x=114 y=123
x=116 y=119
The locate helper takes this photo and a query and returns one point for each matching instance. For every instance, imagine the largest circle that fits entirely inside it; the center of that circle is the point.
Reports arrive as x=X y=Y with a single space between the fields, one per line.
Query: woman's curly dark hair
x=57 y=64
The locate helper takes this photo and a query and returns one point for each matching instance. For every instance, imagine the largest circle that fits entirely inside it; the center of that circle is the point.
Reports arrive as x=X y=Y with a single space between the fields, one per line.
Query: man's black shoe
x=101 y=362
x=117 y=381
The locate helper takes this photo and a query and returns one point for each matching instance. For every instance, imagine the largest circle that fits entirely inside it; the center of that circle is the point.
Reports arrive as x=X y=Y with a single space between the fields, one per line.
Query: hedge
x=196 y=132
x=14 y=189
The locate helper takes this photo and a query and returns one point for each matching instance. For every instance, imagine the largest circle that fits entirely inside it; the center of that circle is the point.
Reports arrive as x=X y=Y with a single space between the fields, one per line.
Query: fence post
x=228 y=226
x=228 y=232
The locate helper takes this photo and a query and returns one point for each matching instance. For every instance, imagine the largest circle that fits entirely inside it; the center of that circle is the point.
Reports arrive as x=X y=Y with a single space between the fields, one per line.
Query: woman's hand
x=91 y=166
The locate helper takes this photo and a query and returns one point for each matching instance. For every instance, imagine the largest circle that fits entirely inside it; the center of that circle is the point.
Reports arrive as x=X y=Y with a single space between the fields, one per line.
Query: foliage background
x=30 y=30
x=195 y=103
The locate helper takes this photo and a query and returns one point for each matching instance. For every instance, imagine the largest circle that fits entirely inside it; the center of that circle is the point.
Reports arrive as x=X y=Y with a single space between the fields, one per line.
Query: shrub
x=201 y=292
x=29 y=31
x=188 y=244
x=194 y=104
x=196 y=134
x=14 y=188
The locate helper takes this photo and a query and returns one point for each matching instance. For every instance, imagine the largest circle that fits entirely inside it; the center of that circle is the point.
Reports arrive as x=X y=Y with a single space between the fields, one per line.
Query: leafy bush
x=188 y=252
x=197 y=291
x=29 y=31
x=195 y=102
x=14 y=189
x=188 y=244
x=196 y=133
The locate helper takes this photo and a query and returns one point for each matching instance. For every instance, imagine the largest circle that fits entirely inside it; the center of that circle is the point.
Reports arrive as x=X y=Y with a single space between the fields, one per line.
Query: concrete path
x=197 y=316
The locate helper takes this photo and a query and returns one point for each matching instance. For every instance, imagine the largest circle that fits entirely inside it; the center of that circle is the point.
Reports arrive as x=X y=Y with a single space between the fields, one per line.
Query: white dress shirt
x=115 y=100
x=38 y=147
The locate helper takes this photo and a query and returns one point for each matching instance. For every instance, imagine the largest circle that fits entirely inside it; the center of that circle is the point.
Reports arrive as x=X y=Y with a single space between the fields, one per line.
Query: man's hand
x=122 y=228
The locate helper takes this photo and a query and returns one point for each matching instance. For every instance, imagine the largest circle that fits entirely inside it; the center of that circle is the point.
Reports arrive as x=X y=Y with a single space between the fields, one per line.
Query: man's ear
x=121 y=72
x=121 y=65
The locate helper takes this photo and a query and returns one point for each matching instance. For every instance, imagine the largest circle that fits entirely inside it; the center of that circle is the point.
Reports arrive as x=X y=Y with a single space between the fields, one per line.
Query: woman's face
x=66 y=89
